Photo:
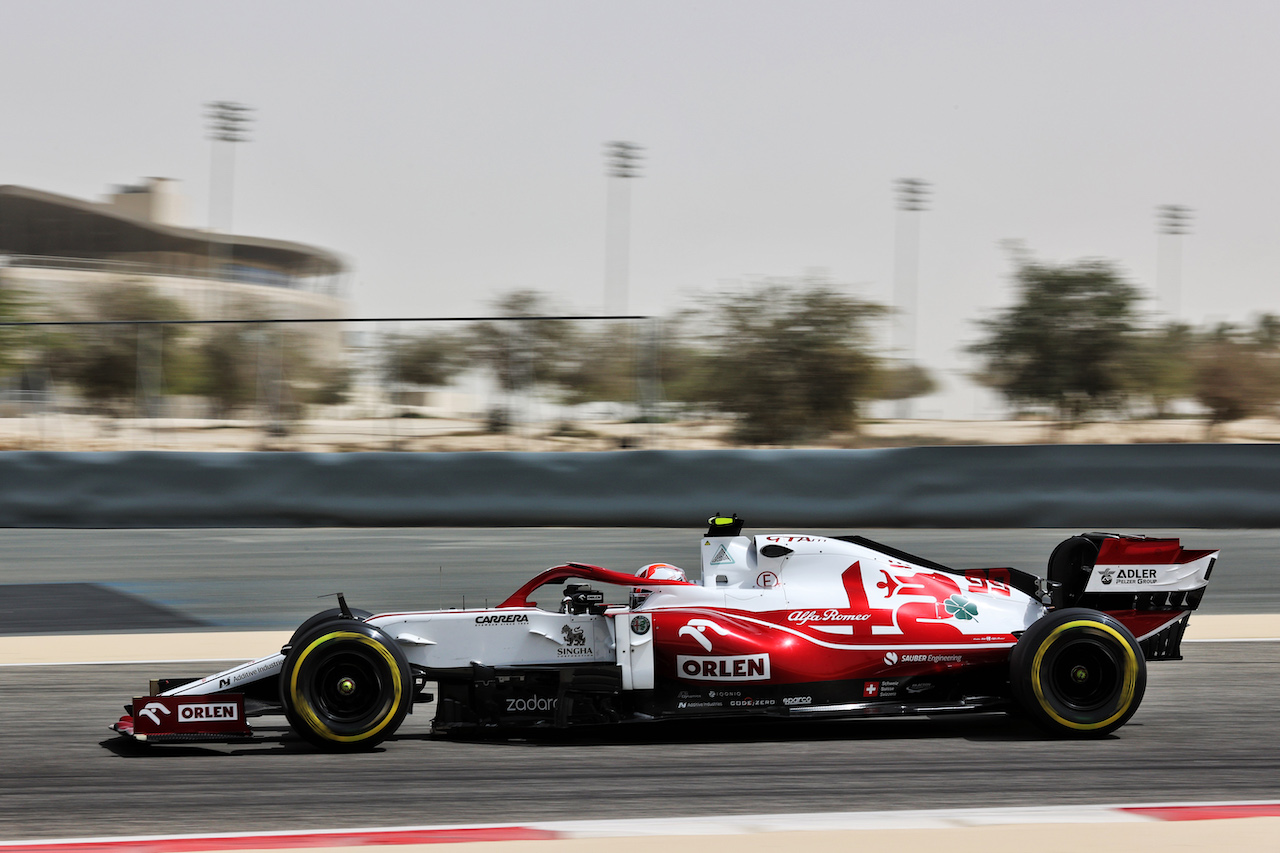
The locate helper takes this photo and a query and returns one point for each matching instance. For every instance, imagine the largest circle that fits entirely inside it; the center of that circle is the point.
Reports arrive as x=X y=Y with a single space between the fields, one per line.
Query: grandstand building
x=56 y=250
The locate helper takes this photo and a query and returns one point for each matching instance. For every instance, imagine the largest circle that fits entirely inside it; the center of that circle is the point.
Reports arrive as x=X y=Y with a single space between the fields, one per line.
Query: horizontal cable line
x=320 y=320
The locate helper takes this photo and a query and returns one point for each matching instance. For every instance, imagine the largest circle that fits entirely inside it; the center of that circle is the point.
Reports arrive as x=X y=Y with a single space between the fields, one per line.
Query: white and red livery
x=779 y=625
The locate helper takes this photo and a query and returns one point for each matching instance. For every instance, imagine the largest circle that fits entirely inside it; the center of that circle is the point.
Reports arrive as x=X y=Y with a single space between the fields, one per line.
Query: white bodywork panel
x=509 y=637
x=1165 y=577
x=635 y=653
x=447 y=639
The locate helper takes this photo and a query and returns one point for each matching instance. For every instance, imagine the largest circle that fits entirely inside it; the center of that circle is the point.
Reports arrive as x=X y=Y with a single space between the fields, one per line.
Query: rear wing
x=1150 y=584
x=1138 y=573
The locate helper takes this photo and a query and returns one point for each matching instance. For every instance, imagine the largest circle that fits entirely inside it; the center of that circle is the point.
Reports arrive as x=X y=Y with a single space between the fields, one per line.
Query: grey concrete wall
x=1086 y=486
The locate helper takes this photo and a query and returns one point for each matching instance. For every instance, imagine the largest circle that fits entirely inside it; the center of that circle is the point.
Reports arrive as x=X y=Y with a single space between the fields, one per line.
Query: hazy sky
x=452 y=151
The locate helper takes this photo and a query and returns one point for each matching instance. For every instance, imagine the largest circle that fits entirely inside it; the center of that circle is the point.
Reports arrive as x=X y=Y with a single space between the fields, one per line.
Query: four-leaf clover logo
x=960 y=607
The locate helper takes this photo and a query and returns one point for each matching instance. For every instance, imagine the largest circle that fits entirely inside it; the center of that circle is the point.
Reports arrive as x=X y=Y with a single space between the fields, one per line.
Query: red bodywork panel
x=1144 y=623
x=778 y=647
x=1125 y=551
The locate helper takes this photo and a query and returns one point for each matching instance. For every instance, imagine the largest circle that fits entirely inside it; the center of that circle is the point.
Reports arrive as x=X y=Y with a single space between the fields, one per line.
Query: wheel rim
x=346 y=688
x=1084 y=673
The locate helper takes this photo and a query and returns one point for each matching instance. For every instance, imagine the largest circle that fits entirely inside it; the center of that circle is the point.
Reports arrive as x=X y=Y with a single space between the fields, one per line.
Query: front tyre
x=1078 y=673
x=345 y=686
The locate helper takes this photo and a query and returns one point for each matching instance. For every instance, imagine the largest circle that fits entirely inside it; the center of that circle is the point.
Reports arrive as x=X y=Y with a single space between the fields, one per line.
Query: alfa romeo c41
x=778 y=625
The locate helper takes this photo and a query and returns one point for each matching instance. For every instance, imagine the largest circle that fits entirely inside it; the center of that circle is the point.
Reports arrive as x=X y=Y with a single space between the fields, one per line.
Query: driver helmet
x=660 y=571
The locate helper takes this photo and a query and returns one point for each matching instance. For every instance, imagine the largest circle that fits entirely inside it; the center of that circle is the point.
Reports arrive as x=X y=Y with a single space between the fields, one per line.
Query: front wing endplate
x=186 y=719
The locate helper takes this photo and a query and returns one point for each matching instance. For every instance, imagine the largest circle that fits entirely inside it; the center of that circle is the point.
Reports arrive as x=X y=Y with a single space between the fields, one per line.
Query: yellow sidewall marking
x=1126 y=691
x=304 y=709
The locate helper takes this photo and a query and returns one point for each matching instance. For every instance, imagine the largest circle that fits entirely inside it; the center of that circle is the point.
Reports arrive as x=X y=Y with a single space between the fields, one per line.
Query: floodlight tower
x=622 y=163
x=912 y=198
x=228 y=122
x=1173 y=222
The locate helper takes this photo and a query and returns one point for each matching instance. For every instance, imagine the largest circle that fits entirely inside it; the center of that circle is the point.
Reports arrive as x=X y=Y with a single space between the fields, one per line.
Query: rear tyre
x=345 y=686
x=1078 y=673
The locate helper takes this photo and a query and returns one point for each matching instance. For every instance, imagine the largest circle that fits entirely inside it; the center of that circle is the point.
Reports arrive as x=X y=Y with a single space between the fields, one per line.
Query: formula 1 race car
x=791 y=626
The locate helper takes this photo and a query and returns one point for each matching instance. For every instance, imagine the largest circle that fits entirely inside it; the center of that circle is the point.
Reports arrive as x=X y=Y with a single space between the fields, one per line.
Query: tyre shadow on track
x=278 y=740
x=987 y=727
x=269 y=740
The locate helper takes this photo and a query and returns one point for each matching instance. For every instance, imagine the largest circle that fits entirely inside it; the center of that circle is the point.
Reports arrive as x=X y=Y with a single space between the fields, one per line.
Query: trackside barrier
x=1085 y=486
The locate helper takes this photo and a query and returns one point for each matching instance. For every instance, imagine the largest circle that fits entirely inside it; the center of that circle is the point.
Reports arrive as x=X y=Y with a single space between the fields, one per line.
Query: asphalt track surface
x=1205 y=731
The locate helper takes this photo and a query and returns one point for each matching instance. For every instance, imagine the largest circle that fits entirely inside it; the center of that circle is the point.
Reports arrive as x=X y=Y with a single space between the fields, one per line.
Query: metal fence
x=459 y=383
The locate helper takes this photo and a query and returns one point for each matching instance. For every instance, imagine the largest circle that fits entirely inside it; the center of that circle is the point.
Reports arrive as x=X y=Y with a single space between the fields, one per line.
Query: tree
x=11 y=310
x=789 y=358
x=1266 y=332
x=227 y=375
x=244 y=364
x=281 y=367
x=645 y=364
x=599 y=364
x=1162 y=366
x=523 y=351
x=124 y=362
x=1237 y=373
x=902 y=382
x=430 y=358
x=1066 y=343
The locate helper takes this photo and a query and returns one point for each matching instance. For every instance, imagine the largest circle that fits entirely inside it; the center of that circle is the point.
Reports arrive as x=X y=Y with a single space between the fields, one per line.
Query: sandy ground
x=429 y=433
x=140 y=648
